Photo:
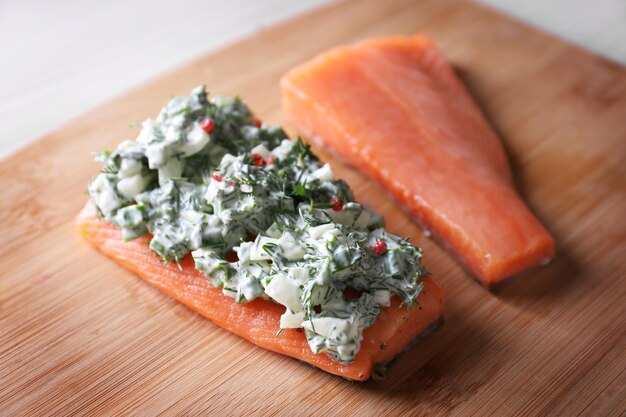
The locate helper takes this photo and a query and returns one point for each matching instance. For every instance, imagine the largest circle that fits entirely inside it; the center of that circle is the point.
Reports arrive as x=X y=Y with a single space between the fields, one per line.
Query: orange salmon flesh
x=395 y=109
x=258 y=321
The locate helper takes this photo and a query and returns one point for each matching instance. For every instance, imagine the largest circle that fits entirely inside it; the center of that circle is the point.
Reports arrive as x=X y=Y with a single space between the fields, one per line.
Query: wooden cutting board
x=80 y=335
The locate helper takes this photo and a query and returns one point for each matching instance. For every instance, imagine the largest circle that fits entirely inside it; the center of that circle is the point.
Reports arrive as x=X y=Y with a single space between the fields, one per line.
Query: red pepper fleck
x=257 y=159
x=207 y=125
x=337 y=203
x=270 y=160
x=217 y=177
x=258 y=123
x=351 y=293
x=380 y=247
x=231 y=256
x=232 y=183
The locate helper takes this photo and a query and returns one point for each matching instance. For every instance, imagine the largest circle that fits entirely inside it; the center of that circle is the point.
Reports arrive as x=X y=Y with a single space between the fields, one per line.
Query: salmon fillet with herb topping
x=259 y=236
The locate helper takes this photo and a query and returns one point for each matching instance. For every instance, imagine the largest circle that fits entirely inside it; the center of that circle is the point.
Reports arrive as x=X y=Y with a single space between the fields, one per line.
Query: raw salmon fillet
x=395 y=109
x=258 y=321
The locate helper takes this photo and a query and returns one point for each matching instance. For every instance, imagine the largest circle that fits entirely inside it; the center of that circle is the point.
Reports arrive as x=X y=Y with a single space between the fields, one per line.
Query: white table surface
x=60 y=58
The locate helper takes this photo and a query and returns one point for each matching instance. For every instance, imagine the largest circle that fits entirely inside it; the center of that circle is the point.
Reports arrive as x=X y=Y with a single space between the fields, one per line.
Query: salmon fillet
x=395 y=109
x=258 y=321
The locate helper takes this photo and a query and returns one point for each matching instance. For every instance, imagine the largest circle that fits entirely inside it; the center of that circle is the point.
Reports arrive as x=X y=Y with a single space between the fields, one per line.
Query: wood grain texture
x=80 y=335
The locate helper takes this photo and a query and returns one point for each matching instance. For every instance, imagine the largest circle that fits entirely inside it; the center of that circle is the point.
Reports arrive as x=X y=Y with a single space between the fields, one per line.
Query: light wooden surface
x=64 y=57
x=80 y=335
